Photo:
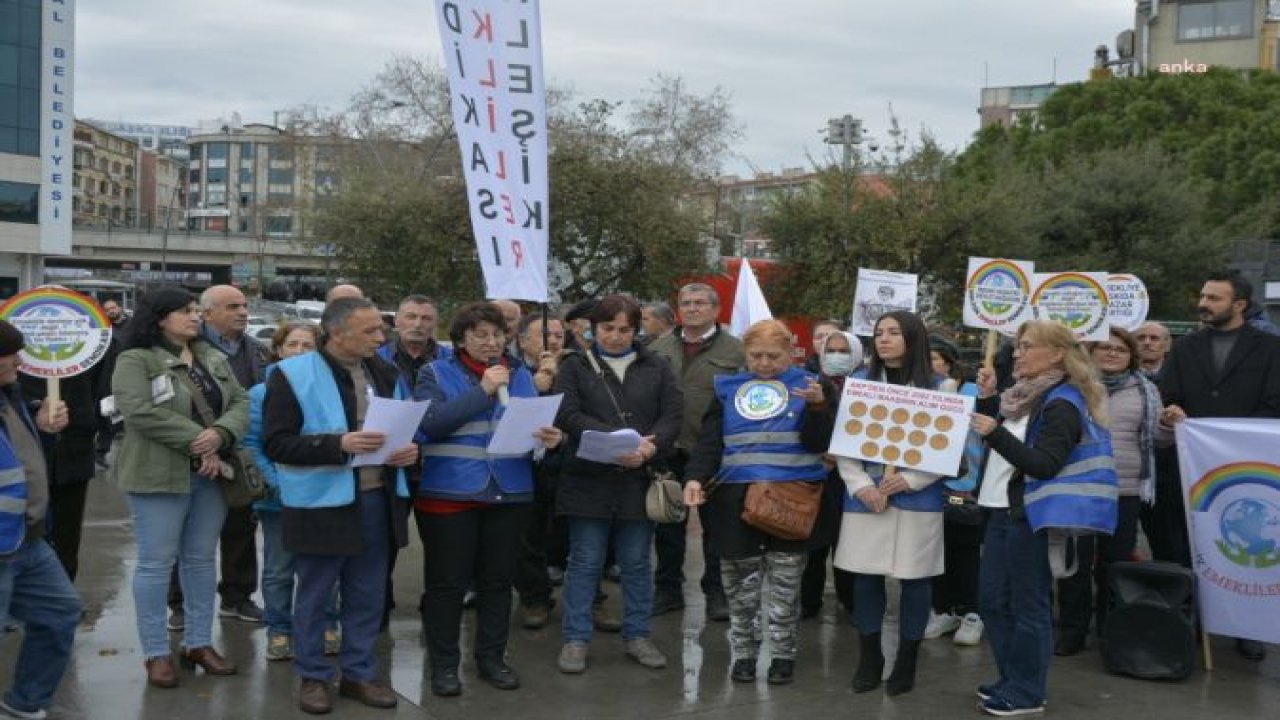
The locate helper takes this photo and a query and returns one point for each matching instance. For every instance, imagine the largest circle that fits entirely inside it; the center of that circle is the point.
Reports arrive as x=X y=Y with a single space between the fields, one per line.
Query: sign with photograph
x=879 y=292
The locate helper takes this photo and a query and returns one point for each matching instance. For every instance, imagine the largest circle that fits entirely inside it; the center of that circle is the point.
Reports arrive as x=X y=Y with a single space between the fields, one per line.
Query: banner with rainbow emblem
x=1231 y=484
x=1075 y=299
x=997 y=293
x=66 y=332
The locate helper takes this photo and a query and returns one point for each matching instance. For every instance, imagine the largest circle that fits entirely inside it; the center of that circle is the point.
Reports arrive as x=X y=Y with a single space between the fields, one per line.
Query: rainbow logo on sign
x=1072 y=299
x=66 y=332
x=1248 y=526
x=998 y=292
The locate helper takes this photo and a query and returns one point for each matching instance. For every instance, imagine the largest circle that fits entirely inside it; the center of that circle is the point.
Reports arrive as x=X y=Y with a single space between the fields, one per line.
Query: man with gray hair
x=339 y=521
x=345 y=290
x=657 y=319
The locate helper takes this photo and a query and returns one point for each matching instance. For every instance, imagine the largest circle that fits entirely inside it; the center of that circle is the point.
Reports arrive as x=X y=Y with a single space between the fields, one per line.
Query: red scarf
x=477 y=367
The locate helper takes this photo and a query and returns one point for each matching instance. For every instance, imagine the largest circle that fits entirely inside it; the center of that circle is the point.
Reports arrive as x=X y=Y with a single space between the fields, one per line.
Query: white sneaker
x=940 y=625
x=970 y=632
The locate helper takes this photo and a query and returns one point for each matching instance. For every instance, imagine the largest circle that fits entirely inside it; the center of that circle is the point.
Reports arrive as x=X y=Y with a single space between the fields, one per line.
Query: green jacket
x=154 y=455
x=720 y=356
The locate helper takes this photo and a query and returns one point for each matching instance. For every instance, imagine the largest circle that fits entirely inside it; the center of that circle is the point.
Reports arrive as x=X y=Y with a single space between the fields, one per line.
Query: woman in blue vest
x=892 y=523
x=471 y=507
x=611 y=384
x=765 y=425
x=1048 y=467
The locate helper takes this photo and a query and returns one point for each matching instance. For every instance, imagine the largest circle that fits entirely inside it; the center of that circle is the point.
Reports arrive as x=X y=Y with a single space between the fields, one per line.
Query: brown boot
x=314 y=698
x=372 y=694
x=209 y=659
x=161 y=673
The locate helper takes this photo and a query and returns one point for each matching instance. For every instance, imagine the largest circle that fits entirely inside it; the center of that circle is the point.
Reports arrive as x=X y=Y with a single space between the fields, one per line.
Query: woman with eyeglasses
x=1133 y=405
x=1047 y=469
x=472 y=507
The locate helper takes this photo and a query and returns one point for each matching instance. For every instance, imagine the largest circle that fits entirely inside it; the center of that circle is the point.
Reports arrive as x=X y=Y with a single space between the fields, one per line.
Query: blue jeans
x=1015 y=602
x=362 y=581
x=183 y=527
x=869 y=605
x=35 y=590
x=588 y=545
x=277 y=579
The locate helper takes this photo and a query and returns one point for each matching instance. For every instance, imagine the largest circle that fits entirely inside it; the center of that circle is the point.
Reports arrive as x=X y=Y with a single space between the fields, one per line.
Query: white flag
x=1231 y=484
x=493 y=50
x=749 y=305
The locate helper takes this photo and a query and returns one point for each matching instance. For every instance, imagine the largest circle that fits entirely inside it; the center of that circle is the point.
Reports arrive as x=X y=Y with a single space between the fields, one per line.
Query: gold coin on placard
x=875 y=431
x=870 y=449
x=917 y=438
x=939 y=442
x=921 y=419
x=891 y=454
x=853 y=427
x=944 y=423
x=879 y=412
x=896 y=434
x=912 y=457
x=858 y=409
x=900 y=416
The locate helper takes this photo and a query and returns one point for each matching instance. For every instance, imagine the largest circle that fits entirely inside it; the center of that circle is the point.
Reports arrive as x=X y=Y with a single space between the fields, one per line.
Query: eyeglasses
x=1111 y=349
x=1025 y=345
x=484 y=339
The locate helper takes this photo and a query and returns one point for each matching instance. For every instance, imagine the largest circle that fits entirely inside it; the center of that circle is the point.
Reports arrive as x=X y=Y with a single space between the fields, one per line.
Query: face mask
x=837 y=364
x=588 y=335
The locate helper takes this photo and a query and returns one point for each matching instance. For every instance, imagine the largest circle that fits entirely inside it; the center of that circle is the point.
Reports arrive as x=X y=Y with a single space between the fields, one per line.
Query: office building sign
x=57 y=125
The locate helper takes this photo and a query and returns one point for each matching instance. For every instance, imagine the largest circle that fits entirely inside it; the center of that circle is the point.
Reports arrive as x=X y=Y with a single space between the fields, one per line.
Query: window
x=246 y=151
x=246 y=176
x=20 y=77
x=278 y=225
x=217 y=151
x=282 y=153
x=215 y=175
x=280 y=176
x=1215 y=20
x=195 y=177
x=19 y=202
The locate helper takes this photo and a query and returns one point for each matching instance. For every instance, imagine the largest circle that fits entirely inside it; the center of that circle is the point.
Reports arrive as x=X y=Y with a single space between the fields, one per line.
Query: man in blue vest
x=339 y=521
x=34 y=588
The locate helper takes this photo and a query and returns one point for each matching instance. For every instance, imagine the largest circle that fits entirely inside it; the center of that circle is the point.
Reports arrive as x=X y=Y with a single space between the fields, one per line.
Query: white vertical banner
x=1231 y=484
x=493 y=51
x=749 y=305
x=57 y=124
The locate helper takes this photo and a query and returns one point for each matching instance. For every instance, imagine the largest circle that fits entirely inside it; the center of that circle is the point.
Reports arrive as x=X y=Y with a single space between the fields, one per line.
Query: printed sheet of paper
x=514 y=434
x=902 y=426
x=608 y=447
x=397 y=419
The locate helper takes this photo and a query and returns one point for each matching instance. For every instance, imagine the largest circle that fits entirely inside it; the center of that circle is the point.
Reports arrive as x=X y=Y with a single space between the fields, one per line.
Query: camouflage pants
x=745 y=584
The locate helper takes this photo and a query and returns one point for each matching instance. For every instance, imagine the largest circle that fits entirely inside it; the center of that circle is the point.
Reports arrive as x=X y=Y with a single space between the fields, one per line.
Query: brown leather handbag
x=785 y=510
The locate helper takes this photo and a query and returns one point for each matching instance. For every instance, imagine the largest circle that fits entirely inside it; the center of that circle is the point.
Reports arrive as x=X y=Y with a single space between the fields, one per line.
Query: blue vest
x=762 y=422
x=459 y=465
x=253 y=442
x=929 y=499
x=1084 y=495
x=974 y=450
x=13 y=498
x=320 y=486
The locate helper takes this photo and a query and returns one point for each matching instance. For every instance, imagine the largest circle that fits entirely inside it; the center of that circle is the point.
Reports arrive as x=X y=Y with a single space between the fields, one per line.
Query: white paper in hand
x=514 y=434
x=397 y=419
x=608 y=447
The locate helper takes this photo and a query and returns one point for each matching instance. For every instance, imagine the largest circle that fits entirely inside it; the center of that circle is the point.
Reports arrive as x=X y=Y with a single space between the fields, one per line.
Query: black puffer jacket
x=648 y=396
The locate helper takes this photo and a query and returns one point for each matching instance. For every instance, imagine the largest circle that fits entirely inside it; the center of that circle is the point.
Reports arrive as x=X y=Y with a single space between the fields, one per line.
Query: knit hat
x=11 y=340
x=945 y=348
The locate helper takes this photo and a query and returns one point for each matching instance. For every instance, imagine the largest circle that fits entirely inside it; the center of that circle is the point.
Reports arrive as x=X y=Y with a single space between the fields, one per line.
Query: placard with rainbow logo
x=66 y=332
x=997 y=293
x=1075 y=299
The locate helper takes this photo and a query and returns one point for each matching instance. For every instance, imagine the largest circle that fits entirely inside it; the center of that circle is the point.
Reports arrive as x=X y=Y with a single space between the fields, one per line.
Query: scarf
x=1018 y=401
x=1146 y=430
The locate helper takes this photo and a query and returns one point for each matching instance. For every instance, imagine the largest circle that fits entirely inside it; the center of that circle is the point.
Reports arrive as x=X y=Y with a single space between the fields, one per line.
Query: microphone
x=504 y=396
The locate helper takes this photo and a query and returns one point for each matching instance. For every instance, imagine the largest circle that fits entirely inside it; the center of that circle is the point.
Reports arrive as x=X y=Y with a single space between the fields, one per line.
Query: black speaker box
x=1150 y=626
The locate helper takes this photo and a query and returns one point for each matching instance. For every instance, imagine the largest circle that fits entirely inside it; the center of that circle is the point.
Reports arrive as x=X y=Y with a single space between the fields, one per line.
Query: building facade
x=1006 y=105
x=1177 y=36
x=106 y=178
x=169 y=140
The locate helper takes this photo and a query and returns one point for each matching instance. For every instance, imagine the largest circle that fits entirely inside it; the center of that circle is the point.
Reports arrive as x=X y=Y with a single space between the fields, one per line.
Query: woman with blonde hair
x=767 y=425
x=1050 y=470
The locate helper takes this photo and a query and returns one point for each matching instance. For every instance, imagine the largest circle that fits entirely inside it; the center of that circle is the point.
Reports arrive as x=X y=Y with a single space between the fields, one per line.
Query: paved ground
x=106 y=681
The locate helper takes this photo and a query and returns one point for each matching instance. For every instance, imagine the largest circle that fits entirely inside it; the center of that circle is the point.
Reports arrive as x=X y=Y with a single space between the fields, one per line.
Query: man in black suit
x=1226 y=369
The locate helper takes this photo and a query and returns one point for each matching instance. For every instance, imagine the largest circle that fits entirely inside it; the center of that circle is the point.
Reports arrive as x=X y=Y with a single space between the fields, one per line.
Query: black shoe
x=744 y=670
x=498 y=674
x=1251 y=649
x=1068 y=645
x=717 y=607
x=665 y=602
x=781 y=672
x=870 y=664
x=903 y=677
x=445 y=682
x=469 y=599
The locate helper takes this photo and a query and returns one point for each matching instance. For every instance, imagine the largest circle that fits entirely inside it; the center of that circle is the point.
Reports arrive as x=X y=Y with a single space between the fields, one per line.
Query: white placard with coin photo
x=902 y=426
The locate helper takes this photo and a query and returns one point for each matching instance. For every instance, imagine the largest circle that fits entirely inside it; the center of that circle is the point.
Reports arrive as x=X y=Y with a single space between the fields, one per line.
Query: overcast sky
x=788 y=66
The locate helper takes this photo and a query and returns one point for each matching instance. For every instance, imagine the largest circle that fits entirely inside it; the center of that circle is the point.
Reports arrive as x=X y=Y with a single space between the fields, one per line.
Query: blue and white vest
x=1084 y=495
x=929 y=499
x=13 y=499
x=762 y=421
x=320 y=486
x=459 y=465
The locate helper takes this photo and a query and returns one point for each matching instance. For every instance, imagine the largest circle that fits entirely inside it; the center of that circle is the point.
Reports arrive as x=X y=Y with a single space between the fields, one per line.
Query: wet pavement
x=106 y=680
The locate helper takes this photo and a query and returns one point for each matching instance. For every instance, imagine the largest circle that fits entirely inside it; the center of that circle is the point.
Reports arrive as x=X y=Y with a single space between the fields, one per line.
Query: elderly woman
x=767 y=425
x=613 y=383
x=892 y=523
x=472 y=507
x=1133 y=406
x=1048 y=425
x=169 y=468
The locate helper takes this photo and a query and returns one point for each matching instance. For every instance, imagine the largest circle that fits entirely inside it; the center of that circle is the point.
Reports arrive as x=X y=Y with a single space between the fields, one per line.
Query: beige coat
x=897 y=543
